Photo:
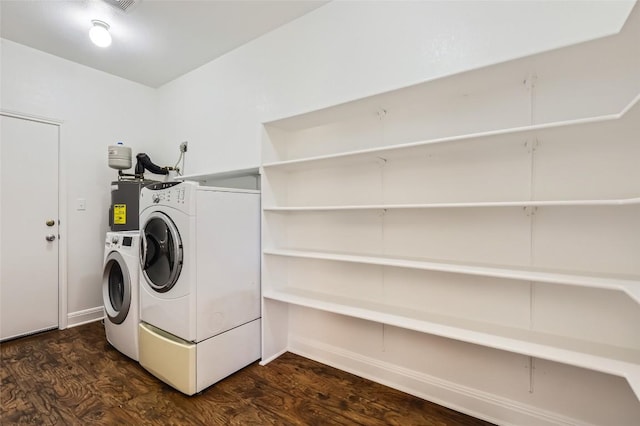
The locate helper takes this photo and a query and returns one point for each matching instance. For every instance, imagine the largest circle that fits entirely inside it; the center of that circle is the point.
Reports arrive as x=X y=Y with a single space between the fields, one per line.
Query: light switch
x=81 y=204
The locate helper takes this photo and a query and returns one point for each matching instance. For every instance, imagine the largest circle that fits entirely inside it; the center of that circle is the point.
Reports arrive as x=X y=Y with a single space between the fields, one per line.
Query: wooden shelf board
x=627 y=284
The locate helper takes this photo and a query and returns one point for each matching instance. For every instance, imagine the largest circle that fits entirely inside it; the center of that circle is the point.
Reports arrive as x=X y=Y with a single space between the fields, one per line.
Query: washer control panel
x=121 y=241
x=112 y=240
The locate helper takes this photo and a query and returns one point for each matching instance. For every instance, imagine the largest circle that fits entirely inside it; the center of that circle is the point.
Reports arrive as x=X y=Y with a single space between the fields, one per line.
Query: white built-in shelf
x=221 y=174
x=630 y=285
x=549 y=203
x=436 y=150
x=402 y=150
x=609 y=359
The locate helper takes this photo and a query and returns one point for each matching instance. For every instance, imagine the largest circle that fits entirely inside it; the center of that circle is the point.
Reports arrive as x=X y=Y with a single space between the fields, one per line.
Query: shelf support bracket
x=634 y=382
x=532 y=145
x=530 y=81
x=530 y=85
x=532 y=367
x=634 y=293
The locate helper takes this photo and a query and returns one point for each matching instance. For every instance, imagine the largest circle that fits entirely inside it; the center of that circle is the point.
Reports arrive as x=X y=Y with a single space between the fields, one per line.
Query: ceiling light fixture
x=99 y=33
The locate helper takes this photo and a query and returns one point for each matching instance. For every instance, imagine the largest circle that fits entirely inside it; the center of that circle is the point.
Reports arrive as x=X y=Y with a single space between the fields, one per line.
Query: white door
x=28 y=227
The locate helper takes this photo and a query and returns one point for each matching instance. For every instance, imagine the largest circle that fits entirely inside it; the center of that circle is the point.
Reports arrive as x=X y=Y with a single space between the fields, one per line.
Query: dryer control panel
x=158 y=186
x=171 y=194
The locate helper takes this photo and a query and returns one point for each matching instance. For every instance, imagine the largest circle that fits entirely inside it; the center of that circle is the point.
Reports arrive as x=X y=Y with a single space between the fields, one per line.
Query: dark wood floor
x=74 y=377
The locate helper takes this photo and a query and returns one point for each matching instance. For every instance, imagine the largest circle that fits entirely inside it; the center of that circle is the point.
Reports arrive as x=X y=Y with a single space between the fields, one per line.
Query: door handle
x=50 y=237
x=50 y=222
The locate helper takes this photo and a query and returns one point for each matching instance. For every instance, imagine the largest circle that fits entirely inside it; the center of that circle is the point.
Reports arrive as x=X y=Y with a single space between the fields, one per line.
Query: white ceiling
x=154 y=41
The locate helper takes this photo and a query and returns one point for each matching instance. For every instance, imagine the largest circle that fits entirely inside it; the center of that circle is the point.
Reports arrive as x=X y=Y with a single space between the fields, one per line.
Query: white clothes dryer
x=120 y=291
x=199 y=282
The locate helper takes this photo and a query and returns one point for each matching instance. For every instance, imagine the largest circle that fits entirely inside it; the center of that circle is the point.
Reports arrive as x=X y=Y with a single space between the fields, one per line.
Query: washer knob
x=155 y=198
x=114 y=239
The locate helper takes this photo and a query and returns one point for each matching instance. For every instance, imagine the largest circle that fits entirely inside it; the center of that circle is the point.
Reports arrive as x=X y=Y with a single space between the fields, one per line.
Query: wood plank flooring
x=74 y=377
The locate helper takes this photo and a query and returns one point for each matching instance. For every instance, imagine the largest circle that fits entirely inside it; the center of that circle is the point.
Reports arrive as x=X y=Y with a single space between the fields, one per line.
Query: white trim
x=476 y=403
x=225 y=189
x=63 y=217
x=85 y=316
x=527 y=203
x=271 y=358
x=31 y=117
x=221 y=174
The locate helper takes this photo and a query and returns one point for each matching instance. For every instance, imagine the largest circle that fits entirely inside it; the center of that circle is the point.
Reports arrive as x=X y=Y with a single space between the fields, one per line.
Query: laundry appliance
x=199 y=282
x=120 y=291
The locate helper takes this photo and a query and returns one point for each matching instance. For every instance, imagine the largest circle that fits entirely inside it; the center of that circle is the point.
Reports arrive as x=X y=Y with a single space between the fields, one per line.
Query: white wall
x=96 y=109
x=349 y=49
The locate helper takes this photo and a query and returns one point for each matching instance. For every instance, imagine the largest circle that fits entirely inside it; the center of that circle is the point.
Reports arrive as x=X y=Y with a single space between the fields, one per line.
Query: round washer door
x=160 y=252
x=116 y=288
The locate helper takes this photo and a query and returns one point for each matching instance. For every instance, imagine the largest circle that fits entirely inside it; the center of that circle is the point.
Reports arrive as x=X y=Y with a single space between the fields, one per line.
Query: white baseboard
x=85 y=316
x=268 y=360
x=476 y=403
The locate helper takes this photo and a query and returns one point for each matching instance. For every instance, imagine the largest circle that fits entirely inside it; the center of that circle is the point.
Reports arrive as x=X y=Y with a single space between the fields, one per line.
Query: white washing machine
x=120 y=291
x=199 y=282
